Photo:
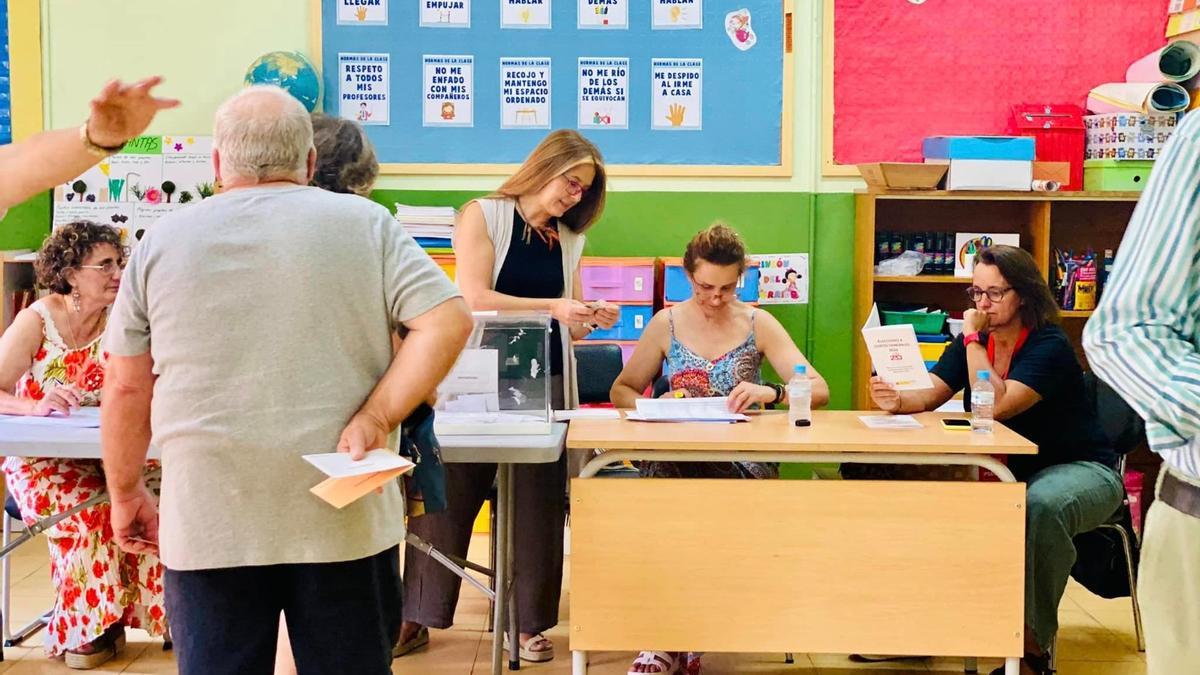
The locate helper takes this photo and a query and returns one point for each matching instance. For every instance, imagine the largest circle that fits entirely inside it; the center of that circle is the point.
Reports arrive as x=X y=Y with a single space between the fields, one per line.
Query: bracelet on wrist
x=98 y=151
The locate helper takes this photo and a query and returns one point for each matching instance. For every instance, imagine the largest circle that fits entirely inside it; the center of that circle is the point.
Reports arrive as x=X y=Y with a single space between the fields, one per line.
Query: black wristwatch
x=780 y=392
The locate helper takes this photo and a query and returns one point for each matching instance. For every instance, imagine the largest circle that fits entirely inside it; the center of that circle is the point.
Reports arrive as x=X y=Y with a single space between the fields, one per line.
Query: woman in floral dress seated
x=713 y=345
x=51 y=363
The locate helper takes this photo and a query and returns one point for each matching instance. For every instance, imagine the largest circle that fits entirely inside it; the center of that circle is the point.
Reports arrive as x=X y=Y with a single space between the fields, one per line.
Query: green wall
x=26 y=224
x=661 y=223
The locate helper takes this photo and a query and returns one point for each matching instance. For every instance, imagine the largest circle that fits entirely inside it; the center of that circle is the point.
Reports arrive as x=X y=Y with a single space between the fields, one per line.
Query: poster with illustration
x=525 y=93
x=603 y=93
x=445 y=13
x=525 y=13
x=677 y=14
x=782 y=278
x=676 y=92
x=362 y=12
x=967 y=244
x=603 y=14
x=365 y=83
x=448 y=91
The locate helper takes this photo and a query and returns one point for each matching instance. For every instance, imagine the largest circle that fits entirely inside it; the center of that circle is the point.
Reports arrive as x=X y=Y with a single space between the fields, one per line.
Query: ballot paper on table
x=87 y=417
x=348 y=479
x=890 y=422
x=707 y=409
x=587 y=414
x=897 y=356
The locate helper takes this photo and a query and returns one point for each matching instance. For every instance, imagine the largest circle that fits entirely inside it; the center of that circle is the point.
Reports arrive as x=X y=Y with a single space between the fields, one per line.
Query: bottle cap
x=801 y=369
x=984 y=374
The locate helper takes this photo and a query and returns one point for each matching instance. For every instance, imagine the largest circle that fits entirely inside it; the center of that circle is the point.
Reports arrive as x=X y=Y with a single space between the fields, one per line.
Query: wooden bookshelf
x=1044 y=220
x=923 y=279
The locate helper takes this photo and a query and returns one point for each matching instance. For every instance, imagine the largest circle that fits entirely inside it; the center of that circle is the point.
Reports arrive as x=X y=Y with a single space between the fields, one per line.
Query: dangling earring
x=75 y=301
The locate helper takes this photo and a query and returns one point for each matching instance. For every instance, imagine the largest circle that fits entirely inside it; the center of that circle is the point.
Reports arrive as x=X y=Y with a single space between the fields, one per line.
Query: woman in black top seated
x=1072 y=483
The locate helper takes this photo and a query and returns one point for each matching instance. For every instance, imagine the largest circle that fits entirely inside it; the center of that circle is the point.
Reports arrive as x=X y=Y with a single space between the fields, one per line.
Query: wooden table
x=893 y=567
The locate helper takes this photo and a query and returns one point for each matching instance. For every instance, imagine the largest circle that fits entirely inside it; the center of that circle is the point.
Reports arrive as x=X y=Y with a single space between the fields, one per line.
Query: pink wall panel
x=904 y=71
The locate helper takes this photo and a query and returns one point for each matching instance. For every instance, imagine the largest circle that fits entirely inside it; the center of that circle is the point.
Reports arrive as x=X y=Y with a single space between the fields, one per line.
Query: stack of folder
x=431 y=226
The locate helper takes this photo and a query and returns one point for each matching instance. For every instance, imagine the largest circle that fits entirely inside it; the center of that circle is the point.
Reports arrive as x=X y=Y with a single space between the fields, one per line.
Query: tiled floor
x=1097 y=638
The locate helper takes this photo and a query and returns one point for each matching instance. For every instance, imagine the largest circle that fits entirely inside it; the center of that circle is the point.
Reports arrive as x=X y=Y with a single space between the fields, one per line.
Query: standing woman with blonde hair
x=519 y=248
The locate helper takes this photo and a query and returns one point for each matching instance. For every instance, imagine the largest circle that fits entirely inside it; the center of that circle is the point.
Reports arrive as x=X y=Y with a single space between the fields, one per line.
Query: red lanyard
x=991 y=349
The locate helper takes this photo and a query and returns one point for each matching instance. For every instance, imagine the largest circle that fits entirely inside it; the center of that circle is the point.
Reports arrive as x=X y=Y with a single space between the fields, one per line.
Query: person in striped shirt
x=1144 y=340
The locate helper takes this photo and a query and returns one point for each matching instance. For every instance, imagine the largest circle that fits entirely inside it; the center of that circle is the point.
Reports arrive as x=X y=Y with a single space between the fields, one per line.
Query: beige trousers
x=1169 y=590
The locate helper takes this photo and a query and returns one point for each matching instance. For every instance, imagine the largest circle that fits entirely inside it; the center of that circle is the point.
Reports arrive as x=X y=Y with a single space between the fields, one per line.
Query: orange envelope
x=340 y=492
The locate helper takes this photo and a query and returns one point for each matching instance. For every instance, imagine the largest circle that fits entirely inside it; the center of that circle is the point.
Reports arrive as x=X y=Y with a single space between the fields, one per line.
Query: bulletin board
x=5 y=75
x=896 y=71
x=744 y=125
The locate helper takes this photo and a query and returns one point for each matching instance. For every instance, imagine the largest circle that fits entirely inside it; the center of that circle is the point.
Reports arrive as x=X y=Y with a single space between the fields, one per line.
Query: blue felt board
x=742 y=90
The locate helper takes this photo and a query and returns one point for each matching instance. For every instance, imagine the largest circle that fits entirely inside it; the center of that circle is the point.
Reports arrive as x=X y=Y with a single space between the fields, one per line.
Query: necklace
x=71 y=328
x=547 y=234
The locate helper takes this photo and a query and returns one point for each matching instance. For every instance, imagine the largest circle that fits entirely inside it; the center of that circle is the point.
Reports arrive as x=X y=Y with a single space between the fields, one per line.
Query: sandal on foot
x=534 y=655
x=668 y=663
x=420 y=639
x=103 y=650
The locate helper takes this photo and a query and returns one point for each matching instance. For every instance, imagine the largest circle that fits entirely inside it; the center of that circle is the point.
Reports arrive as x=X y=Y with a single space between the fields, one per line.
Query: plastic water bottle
x=983 y=402
x=800 y=398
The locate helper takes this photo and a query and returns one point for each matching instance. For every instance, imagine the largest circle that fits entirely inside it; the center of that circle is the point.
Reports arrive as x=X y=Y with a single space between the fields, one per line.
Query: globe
x=290 y=71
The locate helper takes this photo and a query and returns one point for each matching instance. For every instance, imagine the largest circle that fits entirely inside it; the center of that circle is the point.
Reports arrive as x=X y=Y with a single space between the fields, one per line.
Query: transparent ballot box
x=501 y=381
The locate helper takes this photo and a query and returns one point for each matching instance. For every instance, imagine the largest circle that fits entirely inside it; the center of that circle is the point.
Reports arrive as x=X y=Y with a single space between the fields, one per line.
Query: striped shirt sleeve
x=1143 y=337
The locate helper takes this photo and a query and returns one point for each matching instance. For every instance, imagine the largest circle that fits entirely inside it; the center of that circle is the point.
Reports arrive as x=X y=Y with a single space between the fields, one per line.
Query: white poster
x=603 y=93
x=145 y=215
x=365 y=82
x=524 y=93
x=782 y=278
x=676 y=93
x=524 y=13
x=362 y=12
x=603 y=13
x=135 y=178
x=445 y=13
x=677 y=14
x=117 y=215
x=448 y=91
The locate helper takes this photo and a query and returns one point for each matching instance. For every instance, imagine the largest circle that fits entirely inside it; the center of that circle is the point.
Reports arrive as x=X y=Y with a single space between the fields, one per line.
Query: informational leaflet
x=362 y=12
x=449 y=91
x=364 y=86
x=677 y=14
x=676 y=93
x=603 y=14
x=897 y=356
x=525 y=93
x=525 y=13
x=603 y=93
x=445 y=13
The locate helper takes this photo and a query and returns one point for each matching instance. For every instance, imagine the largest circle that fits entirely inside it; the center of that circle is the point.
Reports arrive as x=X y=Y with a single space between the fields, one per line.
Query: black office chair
x=597 y=367
x=1125 y=431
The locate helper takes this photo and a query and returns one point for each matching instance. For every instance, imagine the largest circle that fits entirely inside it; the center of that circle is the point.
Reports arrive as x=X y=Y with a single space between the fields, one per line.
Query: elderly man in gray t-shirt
x=259 y=324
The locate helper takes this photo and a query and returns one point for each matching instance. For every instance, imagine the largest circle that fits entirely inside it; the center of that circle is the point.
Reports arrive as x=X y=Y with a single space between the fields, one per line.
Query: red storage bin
x=1059 y=134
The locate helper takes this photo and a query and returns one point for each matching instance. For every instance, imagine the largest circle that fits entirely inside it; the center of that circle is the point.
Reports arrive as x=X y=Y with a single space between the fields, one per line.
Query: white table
x=505 y=451
x=18 y=439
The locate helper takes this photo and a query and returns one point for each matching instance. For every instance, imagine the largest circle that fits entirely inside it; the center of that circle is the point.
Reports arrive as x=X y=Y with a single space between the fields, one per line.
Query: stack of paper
x=431 y=226
x=712 y=409
x=348 y=480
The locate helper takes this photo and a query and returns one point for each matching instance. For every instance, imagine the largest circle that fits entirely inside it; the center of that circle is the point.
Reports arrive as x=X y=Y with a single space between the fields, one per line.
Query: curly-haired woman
x=51 y=363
